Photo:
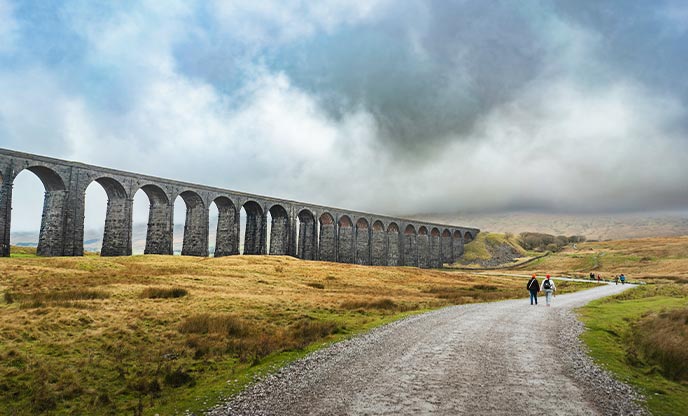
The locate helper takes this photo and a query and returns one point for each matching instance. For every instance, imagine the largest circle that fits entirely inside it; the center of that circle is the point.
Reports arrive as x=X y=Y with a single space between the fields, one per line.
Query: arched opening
x=227 y=231
x=362 y=242
x=345 y=240
x=327 y=244
x=40 y=220
x=378 y=244
x=423 y=248
x=158 y=219
x=306 y=238
x=279 y=231
x=446 y=243
x=178 y=219
x=410 y=246
x=195 y=240
x=467 y=237
x=457 y=245
x=116 y=225
x=393 y=251
x=254 y=229
x=435 y=249
x=5 y=210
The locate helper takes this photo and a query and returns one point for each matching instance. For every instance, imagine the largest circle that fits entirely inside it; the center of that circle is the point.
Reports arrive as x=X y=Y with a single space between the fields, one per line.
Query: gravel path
x=498 y=358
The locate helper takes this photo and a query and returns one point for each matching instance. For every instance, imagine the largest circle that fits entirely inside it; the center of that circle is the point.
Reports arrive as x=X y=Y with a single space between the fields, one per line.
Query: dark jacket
x=533 y=285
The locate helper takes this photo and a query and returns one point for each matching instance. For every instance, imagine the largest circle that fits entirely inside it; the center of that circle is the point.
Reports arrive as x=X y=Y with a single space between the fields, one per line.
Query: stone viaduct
x=310 y=232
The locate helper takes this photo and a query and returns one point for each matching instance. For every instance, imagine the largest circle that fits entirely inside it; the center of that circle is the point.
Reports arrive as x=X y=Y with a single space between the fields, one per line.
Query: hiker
x=592 y=276
x=599 y=278
x=549 y=288
x=622 y=278
x=616 y=279
x=533 y=287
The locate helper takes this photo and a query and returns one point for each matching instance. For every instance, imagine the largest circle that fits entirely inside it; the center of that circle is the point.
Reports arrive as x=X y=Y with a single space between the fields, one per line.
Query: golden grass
x=90 y=336
x=657 y=260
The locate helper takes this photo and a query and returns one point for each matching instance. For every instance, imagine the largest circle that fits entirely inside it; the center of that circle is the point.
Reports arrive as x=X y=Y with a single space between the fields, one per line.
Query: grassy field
x=166 y=334
x=641 y=336
x=654 y=260
x=485 y=245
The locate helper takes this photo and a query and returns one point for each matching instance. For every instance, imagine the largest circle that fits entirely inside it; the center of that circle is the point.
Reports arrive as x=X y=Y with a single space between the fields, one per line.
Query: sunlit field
x=166 y=334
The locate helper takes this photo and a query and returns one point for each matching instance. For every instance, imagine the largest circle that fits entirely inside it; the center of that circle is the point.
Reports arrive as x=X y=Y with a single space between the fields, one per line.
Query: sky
x=395 y=107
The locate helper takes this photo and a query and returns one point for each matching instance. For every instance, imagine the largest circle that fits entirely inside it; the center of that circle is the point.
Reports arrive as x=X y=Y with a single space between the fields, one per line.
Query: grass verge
x=621 y=335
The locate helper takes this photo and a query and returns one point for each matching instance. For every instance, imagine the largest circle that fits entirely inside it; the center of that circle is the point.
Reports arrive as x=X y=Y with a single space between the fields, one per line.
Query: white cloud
x=562 y=147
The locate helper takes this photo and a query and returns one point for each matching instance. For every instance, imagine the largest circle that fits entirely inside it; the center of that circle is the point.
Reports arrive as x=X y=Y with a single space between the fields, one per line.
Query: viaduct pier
x=306 y=231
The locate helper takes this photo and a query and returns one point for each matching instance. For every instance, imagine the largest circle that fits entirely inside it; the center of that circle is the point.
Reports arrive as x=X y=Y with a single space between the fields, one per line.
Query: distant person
x=622 y=278
x=592 y=276
x=549 y=288
x=599 y=278
x=616 y=279
x=533 y=287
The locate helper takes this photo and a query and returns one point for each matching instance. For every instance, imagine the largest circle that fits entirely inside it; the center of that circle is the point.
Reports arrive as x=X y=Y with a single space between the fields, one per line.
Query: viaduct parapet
x=307 y=231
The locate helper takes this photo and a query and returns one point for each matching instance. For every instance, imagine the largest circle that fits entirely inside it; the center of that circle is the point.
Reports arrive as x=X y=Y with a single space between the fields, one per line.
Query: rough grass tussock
x=163 y=293
x=222 y=324
x=384 y=304
x=662 y=338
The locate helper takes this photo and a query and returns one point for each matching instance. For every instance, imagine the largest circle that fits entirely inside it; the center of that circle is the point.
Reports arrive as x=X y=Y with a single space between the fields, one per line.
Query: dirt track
x=497 y=358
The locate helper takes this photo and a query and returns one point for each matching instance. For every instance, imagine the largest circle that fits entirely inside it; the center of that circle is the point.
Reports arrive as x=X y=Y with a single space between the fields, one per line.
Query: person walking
x=598 y=278
x=616 y=279
x=533 y=287
x=623 y=279
x=549 y=288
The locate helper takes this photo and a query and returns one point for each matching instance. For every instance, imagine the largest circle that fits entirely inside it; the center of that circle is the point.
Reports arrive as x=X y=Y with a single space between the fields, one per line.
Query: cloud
x=381 y=108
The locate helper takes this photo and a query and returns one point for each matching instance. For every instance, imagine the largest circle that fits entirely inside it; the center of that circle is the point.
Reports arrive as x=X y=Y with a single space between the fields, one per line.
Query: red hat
x=533 y=275
x=548 y=276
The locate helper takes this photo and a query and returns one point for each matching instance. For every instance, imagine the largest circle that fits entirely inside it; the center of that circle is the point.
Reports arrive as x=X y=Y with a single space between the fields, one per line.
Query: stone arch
x=467 y=237
x=423 y=247
x=410 y=246
x=327 y=245
x=457 y=245
x=345 y=240
x=435 y=254
x=117 y=230
x=51 y=234
x=393 y=243
x=50 y=178
x=446 y=243
x=160 y=214
x=195 y=225
x=227 y=235
x=362 y=242
x=279 y=231
x=254 y=235
x=378 y=244
x=307 y=235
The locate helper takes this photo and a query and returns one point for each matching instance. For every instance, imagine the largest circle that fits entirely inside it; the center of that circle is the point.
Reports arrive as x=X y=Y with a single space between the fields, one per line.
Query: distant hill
x=594 y=227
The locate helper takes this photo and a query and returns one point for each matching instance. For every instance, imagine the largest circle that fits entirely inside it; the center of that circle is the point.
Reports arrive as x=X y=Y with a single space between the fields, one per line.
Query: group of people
x=617 y=278
x=534 y=288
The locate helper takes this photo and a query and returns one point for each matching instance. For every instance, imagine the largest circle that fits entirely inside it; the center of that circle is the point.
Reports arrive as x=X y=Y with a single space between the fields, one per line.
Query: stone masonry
x=307 y=231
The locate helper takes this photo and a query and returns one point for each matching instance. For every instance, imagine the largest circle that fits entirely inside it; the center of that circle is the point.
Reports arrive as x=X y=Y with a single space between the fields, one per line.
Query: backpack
x=546 y=284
